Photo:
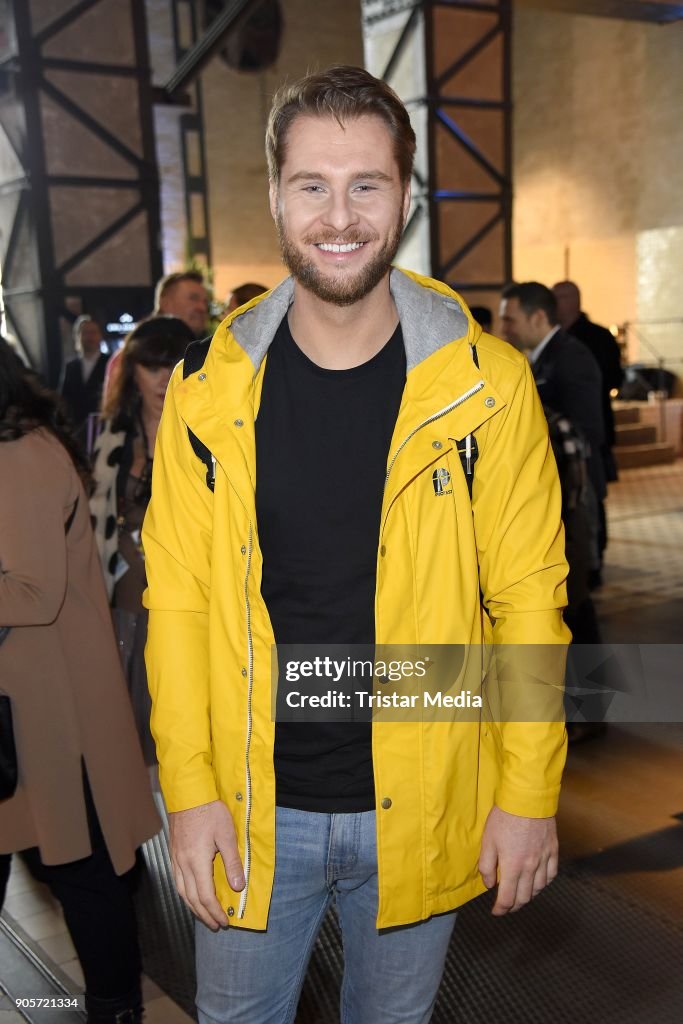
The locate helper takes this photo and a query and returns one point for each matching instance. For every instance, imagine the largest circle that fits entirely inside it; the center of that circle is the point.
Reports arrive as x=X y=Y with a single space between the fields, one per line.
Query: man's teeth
x=349 y=247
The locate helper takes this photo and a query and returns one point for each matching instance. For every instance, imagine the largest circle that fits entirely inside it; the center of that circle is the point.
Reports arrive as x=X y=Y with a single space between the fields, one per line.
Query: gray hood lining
x=428 y=319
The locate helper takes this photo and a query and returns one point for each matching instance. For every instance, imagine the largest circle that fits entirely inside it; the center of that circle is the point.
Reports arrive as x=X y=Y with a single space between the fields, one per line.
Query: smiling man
x=326 y=504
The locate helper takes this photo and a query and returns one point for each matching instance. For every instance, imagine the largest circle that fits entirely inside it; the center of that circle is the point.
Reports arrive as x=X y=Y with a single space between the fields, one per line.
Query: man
x=184 y=295
x=83 y=378
x=605 y=349
x=566 y=375
x=341 y=515
x=568 y=381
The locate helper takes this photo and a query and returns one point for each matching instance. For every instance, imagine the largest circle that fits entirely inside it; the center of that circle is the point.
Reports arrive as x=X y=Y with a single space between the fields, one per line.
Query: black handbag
x=8 y=752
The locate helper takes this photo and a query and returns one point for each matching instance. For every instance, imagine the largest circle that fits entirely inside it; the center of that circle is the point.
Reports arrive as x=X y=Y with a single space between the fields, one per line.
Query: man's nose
x=339 y=211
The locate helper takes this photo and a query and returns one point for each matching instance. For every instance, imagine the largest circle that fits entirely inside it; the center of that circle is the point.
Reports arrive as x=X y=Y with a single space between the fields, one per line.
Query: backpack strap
x=195 y=357
x=468 y=449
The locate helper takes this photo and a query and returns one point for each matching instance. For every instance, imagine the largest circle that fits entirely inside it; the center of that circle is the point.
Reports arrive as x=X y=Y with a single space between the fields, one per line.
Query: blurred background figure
x=244 y=293
x=483 y=316
x=566 y=374
x=83 y=803
x=183 y=295
x=83 y=378
x=122 y=469
x=569 y=384
x=605 y=350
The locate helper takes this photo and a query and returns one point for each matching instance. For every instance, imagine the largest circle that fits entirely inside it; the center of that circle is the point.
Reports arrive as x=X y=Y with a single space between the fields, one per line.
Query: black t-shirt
x=322 y=443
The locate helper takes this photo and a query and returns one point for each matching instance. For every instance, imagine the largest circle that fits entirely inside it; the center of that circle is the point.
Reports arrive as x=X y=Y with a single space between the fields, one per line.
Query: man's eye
x=313 y=188
x=364 y=188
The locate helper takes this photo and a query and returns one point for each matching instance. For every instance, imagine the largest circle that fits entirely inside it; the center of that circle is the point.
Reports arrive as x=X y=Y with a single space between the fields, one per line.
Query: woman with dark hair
x=123 y=481
x=82 y=803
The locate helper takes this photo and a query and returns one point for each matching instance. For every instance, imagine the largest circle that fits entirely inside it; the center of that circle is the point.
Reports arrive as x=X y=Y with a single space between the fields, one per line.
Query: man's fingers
x=507 y=892
x=195 y=904
x=196 y=889
x=206 y=895
x=525 y=884
x=540 y=878
x=179 y=880
x=226 y=841
x=488 y=861
x=181 y=884
x=526 y=852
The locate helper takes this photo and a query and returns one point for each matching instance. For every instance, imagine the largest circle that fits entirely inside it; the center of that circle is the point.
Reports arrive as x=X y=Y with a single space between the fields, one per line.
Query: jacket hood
x=418 y=300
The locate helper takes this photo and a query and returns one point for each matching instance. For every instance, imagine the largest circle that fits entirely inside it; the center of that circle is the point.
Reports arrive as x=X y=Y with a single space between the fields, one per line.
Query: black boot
x=125 y=1009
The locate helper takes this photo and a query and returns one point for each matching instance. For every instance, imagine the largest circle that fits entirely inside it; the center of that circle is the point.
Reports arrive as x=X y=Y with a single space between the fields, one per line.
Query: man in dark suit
x=569 y=384
x=567 y=376
x=81 y=386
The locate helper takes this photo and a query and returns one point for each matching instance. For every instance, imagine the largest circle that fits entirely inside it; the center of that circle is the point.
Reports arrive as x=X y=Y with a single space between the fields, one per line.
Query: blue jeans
x=390 y=976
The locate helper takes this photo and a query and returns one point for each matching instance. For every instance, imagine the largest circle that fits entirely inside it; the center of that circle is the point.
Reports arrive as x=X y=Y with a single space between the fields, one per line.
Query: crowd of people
x=73 y=569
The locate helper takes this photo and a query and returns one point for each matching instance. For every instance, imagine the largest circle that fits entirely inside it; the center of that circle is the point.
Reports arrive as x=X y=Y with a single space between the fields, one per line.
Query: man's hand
x=197 y=835
x=524 y=850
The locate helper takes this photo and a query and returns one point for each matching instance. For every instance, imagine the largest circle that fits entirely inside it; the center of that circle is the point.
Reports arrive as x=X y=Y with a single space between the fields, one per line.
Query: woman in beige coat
x=83 y=802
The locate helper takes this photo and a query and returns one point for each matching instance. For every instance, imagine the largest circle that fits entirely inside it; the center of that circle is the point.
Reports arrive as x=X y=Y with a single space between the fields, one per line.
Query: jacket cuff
x=527 y=803
x=190 y=791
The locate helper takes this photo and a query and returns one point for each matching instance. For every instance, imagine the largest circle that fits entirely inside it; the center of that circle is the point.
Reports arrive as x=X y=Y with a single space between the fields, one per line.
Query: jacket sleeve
x=33 y=561
x=177 y=544
x=520 y=540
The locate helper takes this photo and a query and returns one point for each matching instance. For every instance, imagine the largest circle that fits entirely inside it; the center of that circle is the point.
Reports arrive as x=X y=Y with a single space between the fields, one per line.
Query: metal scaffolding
x=463 y=190
x=80 y=210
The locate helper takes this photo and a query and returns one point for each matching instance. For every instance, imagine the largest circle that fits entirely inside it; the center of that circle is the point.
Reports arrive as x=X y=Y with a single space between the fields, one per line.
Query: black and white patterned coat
x=107 y=457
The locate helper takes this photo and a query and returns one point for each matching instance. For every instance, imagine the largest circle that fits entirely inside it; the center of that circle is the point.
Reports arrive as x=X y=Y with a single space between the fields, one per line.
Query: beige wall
x=598 y=139
x=243 y=240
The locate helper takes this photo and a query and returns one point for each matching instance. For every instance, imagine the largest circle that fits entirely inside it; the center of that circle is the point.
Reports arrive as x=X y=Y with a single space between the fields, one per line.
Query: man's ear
x=273 y=198
x=540 y=322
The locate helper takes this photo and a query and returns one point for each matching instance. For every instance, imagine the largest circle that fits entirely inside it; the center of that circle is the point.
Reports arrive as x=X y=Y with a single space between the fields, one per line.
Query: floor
x=621 y=830
x=641 y=600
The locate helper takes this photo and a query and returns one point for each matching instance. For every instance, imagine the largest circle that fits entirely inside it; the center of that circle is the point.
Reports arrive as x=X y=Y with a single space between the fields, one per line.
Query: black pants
x=98 y=909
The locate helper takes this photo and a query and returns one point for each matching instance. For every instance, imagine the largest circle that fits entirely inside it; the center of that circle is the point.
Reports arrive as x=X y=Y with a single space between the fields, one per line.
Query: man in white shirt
x=81 y=386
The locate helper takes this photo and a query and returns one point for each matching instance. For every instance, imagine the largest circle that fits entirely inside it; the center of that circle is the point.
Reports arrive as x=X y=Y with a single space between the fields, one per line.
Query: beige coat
x=60 y=667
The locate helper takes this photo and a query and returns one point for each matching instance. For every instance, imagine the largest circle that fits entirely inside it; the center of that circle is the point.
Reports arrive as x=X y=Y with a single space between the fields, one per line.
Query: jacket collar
x=438 y=331
x=431 y=316
x=416 y=305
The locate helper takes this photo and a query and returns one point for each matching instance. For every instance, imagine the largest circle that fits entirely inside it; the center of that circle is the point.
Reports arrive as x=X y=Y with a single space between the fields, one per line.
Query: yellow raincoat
x=210 y=637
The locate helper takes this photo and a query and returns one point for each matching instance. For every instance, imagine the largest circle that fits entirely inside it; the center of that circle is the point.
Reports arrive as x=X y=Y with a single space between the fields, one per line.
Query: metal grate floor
x=583 y=951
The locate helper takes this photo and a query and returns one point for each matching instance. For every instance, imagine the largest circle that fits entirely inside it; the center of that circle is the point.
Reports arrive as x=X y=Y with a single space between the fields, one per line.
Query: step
x=626 y=414
x=632 y=456
x=635 y=433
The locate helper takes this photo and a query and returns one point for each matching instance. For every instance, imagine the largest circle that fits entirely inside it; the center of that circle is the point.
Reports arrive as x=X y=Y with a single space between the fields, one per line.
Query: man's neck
x=538 y=348
x=340 y=337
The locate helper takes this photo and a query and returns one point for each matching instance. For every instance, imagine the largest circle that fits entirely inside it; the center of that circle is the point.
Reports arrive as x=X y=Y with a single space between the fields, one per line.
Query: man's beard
x=344 y=288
